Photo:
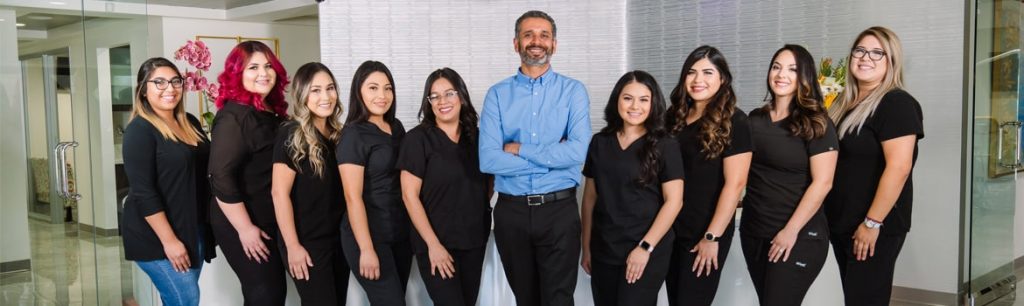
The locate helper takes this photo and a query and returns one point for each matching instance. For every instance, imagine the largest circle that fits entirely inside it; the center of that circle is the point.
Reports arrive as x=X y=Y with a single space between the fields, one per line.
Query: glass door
x=995 y=146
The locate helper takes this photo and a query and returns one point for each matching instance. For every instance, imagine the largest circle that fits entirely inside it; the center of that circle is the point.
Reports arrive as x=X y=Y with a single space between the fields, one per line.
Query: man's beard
x=531 y=61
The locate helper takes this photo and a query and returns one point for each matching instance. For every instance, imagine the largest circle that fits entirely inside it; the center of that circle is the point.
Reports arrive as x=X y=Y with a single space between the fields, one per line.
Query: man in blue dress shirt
x=534 y=134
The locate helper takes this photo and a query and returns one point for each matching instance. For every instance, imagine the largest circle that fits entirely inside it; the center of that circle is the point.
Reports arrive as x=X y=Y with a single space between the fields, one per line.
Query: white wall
x=663 y=32
x=13 y=154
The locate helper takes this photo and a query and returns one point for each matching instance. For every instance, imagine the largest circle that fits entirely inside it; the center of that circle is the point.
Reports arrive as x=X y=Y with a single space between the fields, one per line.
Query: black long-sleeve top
x=164 y=176
x=241 y=160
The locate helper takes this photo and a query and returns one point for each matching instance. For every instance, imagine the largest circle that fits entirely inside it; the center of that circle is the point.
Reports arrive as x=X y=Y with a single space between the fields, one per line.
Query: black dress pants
x=608 y=281
x=683 y=286
x=460 y=290
x=395 y=261
x=783 y=282
x=328 y=277
x=262 y=283
x=540 y=250
x=867 y=282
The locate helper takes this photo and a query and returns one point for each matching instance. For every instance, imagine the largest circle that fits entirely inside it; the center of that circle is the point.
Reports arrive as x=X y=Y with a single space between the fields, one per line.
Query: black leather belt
x=539 y=199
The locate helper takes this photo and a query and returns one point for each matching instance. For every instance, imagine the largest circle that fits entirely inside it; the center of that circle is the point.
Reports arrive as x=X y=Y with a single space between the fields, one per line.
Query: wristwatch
x=711 y=237
x=871 y=223
x=646 y=246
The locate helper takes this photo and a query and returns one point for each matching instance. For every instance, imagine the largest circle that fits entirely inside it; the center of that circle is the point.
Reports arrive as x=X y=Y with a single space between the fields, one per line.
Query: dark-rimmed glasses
x=874 y=55
x=161 y=83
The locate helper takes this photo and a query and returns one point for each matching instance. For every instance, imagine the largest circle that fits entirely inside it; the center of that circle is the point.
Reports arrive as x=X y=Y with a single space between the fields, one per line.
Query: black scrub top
x=625 y=210
x=241 y=161
x=861 y=162
x=366 y=145
x=165 y=176
x=700 y=198
x=317 y=201
x=780 y=173
x=454 y=191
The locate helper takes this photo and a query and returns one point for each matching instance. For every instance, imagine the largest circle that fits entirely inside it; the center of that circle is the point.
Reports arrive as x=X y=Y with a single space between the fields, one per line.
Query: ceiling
x=209 y=4
x=45 y=21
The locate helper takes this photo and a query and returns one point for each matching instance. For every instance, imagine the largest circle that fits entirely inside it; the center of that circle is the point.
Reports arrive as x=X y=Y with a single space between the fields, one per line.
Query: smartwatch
x=872 y=223
x=646 y=246
x=711 y=237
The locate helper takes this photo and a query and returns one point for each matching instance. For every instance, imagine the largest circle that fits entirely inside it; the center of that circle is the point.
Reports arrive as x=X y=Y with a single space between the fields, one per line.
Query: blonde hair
x=142 y=109
x=305 y=142
x=855 y=112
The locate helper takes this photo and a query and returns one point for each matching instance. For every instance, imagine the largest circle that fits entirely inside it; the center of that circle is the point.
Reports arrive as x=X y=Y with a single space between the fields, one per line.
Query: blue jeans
x=176 y=288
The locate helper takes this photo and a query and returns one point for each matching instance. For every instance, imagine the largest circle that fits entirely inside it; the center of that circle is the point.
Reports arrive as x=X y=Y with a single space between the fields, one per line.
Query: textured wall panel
x=473 y=37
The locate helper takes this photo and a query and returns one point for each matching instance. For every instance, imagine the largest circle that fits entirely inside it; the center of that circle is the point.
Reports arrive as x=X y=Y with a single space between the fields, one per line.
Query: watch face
x=709 y=236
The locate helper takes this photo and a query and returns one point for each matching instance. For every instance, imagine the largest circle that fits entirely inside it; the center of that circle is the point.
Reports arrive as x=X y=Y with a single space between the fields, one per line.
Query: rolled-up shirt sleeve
x=573 y=151
x=139 y=153
x=227 y=151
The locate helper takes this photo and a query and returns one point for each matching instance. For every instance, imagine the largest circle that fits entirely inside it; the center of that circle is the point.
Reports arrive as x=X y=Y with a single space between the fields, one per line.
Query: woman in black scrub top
x=252 y=107
x=869 y=209
x=633 y=191
x=446 y=195
x=715 y=144
x=375 y=235
x=307 y=197
x=783 y=233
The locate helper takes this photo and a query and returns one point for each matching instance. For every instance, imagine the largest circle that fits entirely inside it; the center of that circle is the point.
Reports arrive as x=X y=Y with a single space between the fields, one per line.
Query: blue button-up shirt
x=549 y=117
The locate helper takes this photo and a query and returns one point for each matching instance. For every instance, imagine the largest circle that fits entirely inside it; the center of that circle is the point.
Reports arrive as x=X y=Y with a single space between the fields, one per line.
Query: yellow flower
x=829 y=98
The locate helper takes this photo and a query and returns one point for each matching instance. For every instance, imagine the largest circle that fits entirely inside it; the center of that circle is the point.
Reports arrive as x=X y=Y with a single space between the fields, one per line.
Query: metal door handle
x=58 y=173
x=63 y=169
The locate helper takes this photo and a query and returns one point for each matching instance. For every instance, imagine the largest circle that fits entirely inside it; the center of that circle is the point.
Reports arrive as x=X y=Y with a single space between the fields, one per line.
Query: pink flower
x=211 y=92
x=195 y=53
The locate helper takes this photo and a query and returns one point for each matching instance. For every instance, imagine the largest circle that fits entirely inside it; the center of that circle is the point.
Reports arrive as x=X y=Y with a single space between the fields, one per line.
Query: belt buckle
x=535 y=200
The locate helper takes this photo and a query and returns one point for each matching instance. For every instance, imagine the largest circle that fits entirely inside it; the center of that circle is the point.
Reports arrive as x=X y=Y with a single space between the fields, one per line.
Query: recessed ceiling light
x=1 y=20
x=20 y=24
x=35 y=17
x=57 y=3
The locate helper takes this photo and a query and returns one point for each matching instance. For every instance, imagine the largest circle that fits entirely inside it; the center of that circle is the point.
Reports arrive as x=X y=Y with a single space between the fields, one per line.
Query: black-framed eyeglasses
x=161 y=83
x=448 y=95
x=874 y=55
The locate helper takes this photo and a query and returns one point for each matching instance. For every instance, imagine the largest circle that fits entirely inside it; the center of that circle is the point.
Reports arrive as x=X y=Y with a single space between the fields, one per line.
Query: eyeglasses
x=874 y=55
x=448 y=95
x=161 y=83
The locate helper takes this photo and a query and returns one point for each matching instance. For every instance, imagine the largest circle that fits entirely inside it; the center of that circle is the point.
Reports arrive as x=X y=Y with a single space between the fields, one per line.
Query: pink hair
x=231 y=88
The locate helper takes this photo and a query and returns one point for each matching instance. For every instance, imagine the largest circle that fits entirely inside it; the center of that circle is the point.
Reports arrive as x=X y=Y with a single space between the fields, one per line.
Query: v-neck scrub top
x=861 y=162
x=317 y=201
x=700 y=198
x=625 y=210
x=453 y=191
x=780 y=173
x=366 y=145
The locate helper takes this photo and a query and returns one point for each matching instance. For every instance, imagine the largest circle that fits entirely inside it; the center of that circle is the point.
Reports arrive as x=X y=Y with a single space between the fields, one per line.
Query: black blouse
x=317 y=201
x=780 y=173
x=164 y=176
x=241 y=160
x=707 y=178
x=454 y=191
x=625 y=210
x=861 y=162
x=366 y=145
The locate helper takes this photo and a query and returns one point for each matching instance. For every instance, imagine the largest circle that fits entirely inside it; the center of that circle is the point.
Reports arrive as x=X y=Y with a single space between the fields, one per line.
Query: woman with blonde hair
x=305 y=188
x=165 y=158
x=869 y=208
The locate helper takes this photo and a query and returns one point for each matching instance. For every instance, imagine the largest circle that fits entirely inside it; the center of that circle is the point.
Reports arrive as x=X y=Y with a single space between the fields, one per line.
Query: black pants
x=395 y=261
x=463 y=288
x=328 y=277
x=608 y=282
x=783 y=283
x=683 y=286
x=262 y=283
x=867 y=282
x=540 y=250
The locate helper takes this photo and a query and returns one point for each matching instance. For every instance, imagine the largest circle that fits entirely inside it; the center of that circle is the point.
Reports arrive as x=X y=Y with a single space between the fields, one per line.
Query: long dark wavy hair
x=716 y=122
x=655 y=123
x=468 y=117
x=357 y=111
x=807 y=115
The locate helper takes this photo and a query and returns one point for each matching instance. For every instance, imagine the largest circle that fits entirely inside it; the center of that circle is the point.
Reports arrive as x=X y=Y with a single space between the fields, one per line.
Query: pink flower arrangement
x=197 y=55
